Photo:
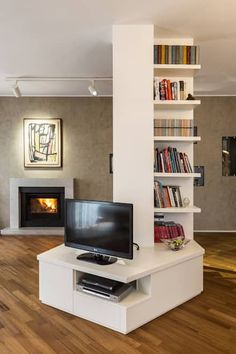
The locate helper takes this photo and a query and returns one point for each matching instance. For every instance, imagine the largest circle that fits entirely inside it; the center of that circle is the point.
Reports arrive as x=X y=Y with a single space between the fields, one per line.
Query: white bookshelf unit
x=177 y=109
x=163 y=279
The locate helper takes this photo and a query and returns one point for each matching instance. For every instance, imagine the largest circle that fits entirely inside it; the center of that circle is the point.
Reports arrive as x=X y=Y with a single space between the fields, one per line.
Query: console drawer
x=94 y=309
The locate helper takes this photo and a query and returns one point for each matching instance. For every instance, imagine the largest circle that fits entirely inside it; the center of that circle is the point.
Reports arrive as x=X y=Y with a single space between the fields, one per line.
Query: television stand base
x=163 y=280
x=96 y=258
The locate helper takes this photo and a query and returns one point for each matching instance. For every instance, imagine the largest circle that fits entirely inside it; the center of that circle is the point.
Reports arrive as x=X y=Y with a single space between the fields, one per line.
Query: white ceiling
x=74 y=38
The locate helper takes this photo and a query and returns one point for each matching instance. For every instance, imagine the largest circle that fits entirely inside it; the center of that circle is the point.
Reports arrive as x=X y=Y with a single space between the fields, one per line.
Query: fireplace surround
x=16 y=185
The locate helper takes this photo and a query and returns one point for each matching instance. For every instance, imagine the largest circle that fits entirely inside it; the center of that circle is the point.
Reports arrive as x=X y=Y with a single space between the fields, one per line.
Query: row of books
x=167 y=90
x=169 y=160
x=167 y=230
x=173 y=127
x=167 y=196
x=176 y=54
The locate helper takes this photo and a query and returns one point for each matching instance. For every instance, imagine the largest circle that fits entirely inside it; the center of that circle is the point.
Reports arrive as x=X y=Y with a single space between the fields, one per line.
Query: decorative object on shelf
x=186 y=202
x=229 y=156
x=42 y=143
x=190 y=97
x=159 y=216
x=176 y=54
x=176 y=244
x=199 y=181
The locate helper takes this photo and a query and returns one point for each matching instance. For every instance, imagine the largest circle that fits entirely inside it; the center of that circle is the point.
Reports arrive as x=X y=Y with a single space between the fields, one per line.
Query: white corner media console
x=163 y=280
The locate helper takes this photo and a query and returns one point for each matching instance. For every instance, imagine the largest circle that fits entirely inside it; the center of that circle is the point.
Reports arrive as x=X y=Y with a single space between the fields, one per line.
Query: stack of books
x=169 y=160
x=167 y=196
x=176 y=54
x=173 y=127
x=167 y=90
x=167 y=230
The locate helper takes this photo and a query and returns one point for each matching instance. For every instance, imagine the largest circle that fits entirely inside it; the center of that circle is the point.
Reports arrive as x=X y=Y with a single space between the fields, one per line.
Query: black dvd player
x=103 y=283
x=111 y=290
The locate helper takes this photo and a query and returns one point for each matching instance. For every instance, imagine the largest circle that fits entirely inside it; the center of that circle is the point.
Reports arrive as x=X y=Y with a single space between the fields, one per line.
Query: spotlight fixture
x=92 y=89
x=16 y=90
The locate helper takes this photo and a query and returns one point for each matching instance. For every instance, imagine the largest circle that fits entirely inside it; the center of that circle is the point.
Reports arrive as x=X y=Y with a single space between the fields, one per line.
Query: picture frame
x=228 y=156
x=199 y=181
x=111 y=163
x=42 y=143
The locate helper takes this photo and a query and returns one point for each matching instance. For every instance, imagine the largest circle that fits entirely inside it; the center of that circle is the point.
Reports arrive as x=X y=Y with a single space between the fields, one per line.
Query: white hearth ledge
x=33 y=231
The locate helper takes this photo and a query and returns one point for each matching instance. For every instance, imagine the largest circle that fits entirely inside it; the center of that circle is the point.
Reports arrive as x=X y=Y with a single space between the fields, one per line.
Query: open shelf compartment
x=141 y=292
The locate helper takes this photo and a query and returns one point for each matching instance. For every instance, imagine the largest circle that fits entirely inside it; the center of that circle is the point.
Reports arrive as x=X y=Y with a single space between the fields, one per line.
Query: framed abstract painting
x=42 y=143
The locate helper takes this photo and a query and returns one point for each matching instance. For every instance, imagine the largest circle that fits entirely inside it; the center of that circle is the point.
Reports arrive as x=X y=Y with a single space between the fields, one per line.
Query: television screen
x=100 y=227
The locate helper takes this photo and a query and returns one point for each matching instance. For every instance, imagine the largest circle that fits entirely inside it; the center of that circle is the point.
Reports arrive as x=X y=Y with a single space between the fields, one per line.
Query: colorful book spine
x=176 y=54
x=169 y=160
x=173 y=127
x=167 y=230
x=167 y=90
x=167 y=196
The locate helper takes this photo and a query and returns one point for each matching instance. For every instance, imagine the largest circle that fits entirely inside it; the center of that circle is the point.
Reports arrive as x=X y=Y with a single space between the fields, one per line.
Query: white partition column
x=133 y=124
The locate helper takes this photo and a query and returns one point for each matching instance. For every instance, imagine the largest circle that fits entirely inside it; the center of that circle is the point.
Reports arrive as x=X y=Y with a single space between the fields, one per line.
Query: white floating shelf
x=185 y=70
x=177 y=138
x=190 y=209
x=174 y=104
x=164 y=174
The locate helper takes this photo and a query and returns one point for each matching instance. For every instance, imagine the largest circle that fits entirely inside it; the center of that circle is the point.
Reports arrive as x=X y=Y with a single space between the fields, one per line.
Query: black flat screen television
x=103 y=228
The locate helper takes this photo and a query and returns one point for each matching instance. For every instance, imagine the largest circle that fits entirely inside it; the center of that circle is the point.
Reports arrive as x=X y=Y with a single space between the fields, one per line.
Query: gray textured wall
x=87 y=142
x=216 y=117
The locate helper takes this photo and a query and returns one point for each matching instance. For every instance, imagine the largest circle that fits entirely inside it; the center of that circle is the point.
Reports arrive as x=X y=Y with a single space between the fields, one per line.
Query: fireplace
x=42 y=206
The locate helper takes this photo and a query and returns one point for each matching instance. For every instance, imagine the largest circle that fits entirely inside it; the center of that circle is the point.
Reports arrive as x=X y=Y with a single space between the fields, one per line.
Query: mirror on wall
x=229 y=156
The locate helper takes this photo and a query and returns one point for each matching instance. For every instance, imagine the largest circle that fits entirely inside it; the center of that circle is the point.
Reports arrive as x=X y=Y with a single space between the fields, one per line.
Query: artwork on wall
x=199 y=181
x=229 y=156
x=42 y=143
x=110 y=163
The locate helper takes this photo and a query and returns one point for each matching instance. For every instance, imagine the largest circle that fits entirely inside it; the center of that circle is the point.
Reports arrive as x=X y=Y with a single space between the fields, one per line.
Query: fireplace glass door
x=42 y=206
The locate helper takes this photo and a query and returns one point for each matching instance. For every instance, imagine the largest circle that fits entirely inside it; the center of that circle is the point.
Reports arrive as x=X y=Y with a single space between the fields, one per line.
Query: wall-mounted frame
x=111 y=163
x=42 y=143
x=195 y=133
x=229 y=156
x=199 y=181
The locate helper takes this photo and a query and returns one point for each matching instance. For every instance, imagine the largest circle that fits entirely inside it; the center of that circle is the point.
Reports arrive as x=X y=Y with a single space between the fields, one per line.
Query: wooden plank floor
x=203 y=325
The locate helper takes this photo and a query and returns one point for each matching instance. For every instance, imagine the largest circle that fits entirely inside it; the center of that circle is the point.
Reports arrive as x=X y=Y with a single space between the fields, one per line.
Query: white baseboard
x=216 y=231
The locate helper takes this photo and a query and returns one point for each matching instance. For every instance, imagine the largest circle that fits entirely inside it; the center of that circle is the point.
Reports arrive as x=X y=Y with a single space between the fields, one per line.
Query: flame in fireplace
x=44 y=205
